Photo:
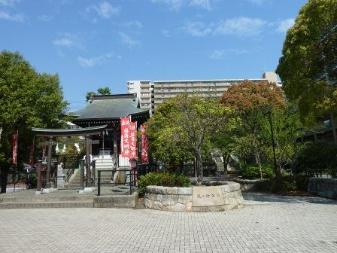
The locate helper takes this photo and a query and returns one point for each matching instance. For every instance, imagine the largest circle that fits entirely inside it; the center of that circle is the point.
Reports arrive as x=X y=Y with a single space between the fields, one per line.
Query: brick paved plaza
x=289 y=224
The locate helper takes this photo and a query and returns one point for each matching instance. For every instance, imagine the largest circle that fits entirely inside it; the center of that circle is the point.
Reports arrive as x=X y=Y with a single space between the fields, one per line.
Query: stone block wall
x=181 y=198
x=168 y=198
x=325 y=187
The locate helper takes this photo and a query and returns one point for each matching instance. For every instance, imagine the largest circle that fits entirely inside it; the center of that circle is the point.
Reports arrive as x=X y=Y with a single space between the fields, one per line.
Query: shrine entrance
x=48 y=174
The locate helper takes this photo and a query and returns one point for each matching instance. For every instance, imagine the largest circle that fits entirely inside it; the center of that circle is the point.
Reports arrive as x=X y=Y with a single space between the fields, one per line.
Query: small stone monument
x=218 y=159
x=60 y=176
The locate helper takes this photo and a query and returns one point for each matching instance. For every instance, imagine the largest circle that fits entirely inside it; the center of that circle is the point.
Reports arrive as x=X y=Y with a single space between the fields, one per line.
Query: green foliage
x=301 y=182
x=27 y=99
x=253 y=172
x=162 y=179
x=104 y=90
x=89 y=95
x=285 y=185
x=287 y=129
x=307 y=66
x=31 y=180
x=316 y=159
x=259 y=108
x=183 y=127
x=100 y=91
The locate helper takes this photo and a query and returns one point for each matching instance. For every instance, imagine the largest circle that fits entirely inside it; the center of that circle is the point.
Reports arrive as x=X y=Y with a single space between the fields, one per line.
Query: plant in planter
x=162 y=179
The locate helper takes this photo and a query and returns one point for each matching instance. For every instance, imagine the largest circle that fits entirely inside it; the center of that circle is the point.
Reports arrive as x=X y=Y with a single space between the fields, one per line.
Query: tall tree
x=308 y=64
x=101 y=91
x=186 y=125
x=287 y=129
x=251 y=101
x=104 y=91
x=27 y=99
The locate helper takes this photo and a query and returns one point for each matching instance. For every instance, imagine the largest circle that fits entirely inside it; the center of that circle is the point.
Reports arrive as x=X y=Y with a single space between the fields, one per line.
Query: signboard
x=145 y=145
x=15 y=147
x=207 y=196
x=133 y=140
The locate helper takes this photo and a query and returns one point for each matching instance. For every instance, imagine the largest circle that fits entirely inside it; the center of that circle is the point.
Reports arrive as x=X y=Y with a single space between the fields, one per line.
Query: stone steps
x=114 y=201
x=55 y=204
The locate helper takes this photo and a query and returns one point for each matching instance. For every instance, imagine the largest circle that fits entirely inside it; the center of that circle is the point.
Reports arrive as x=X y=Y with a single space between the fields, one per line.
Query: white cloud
x=173 y=4
x=11 y=17
x=205 y=4
x=259 y=2
x=178 y=4
x=284 y=25
x=93 y=61
x=242 y=26
x=197 y=28
x=166 y=33
x=129 y=41
x=45 y=18
x=68 y=40
x=9 y=2
x=104 y=10
x=134 y=24
x=63 y=42
x=220 y=54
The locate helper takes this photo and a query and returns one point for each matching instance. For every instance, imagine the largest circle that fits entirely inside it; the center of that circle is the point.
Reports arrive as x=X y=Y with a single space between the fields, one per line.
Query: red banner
x=145 y=144
x=15 y=147
x=133 y=140
x=125 y=149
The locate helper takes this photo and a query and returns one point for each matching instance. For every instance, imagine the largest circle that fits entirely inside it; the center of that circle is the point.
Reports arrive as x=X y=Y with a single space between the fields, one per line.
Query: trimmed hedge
x=162 y=179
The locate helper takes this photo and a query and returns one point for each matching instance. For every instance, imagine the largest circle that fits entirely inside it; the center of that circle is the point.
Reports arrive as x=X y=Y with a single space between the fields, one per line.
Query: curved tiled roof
x=110 y=107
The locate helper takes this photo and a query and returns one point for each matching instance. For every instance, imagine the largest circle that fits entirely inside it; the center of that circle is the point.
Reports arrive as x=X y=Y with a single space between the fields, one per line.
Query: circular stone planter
x=196 y=198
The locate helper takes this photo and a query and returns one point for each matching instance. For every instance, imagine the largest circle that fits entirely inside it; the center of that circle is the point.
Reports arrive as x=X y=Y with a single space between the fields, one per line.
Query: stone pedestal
x=60 y=177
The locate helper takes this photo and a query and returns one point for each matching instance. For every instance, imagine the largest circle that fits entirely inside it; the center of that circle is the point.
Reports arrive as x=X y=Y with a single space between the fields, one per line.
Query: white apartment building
x=151 y=94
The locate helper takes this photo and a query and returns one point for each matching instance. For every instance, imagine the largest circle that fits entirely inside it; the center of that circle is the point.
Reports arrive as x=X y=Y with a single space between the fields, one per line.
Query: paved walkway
x=268 y=223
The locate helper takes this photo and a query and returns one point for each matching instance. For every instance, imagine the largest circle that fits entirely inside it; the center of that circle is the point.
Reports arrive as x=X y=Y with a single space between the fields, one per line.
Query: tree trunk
x=3 y=179
x=195 y=169
x=258 y=162
x=199 y=166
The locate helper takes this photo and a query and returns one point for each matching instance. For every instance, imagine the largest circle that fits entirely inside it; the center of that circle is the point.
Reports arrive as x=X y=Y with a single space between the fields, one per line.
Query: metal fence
x=130 y=179
x=143 y=169
x=21 y=178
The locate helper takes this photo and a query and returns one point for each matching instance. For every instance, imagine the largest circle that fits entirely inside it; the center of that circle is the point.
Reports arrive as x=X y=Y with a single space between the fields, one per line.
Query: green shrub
x=316 y=159
x=162 y=179
x=302 y=182
x=253 y=171
x=287 y=184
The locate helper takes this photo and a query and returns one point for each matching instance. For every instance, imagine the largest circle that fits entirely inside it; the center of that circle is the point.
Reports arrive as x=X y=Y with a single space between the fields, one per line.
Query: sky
x=94 y=43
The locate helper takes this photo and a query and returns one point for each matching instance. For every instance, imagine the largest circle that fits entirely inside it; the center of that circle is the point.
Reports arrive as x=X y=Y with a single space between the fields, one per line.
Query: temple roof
x=110 y=107
x=68 y=132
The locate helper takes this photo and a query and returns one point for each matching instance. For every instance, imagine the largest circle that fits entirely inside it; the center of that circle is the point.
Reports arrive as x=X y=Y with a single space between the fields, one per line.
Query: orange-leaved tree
x=251 y=101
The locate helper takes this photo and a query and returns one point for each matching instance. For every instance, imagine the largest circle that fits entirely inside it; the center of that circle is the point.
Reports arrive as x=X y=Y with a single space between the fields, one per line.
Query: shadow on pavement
x=252 y=197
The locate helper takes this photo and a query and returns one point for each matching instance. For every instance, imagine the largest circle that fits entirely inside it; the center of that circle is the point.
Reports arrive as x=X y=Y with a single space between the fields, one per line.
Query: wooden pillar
x=39 y=179
x=82 y=174
x=115 y=145
x=87 y=160
x=49 y=162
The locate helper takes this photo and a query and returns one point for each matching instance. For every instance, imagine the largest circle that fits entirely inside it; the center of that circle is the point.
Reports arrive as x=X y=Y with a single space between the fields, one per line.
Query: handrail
x=131 y=173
